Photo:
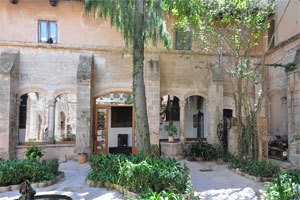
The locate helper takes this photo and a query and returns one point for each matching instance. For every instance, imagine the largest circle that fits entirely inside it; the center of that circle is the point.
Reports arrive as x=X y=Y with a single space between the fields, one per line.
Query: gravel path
x=218 y=184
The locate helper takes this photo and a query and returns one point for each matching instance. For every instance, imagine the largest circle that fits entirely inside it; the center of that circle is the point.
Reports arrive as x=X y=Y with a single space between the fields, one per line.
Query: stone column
x=84 y=109
x=9 y=83
x=153 y=98
x=182 y=114
x=214 y=103
x=293 y=99
x=51 y=121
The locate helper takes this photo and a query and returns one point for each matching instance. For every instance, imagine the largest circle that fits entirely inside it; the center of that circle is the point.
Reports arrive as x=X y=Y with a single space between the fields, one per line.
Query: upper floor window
x=182 y=41
x=47 y=31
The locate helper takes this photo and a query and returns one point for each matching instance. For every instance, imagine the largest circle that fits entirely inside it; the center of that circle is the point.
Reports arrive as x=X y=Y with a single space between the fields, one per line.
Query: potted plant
x=172 y=130
x=154 y=150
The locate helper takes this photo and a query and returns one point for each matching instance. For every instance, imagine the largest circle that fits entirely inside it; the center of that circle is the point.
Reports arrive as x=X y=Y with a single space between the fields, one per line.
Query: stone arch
x=29 y=90
x=201 y=94
x=112 y=90
x=64 y=91
x=172 y=93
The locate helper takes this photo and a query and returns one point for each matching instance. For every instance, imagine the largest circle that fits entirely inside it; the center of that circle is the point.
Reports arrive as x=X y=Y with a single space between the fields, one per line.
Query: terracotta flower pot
x=82 y=158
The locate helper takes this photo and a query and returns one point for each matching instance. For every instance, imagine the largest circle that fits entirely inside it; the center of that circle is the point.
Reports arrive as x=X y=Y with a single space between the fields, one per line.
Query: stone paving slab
x=221 y=183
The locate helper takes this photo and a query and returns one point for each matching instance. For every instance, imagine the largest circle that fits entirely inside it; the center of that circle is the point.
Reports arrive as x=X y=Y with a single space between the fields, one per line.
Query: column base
x=182 y=138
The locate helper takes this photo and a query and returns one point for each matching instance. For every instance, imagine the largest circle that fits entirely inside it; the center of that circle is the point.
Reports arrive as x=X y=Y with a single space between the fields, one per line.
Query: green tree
x=232 y=28
x=138 y=21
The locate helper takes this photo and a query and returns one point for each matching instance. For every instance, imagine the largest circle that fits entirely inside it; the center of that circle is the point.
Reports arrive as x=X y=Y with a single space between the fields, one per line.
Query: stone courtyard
x=218 y=184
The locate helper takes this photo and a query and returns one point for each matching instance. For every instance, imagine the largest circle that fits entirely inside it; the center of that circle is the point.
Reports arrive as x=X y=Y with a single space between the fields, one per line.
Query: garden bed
x=15 y=172
x=135 y=176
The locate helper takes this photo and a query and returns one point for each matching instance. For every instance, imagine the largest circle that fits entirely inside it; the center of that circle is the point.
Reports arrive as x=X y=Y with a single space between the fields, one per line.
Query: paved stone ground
x=219 y=184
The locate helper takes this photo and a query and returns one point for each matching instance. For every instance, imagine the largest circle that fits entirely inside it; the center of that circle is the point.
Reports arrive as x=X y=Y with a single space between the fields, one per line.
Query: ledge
x=104 y=48
x=46 y=145
x=124 y=190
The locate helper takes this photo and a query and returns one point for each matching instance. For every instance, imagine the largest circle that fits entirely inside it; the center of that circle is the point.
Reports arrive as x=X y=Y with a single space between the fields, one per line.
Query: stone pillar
x=214 y=103
x=182 y=114
x=51 y=121
x=84 y=110
x=9 y=83
x=293 y=100
x=153 y=98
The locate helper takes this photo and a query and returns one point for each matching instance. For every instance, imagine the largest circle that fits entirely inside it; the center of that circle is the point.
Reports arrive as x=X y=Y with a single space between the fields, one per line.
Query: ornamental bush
x=286 y=186
x=201 y=149
x=138 y=174
x=16 y=171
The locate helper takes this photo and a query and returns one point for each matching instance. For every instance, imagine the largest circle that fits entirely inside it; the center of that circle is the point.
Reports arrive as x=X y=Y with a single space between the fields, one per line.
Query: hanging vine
x=139 y=22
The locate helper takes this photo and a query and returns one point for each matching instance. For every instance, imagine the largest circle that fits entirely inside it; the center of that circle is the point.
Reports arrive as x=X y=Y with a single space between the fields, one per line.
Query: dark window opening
x=227 y=113
x=121 y=117
x=122 y=140
x=47 y=32
x=182 y=41
x=22 y=112
x=270 y=34
x=172 y=109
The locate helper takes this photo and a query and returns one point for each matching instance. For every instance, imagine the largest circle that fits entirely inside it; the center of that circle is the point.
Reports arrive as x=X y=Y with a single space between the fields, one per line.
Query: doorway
x=114 y=125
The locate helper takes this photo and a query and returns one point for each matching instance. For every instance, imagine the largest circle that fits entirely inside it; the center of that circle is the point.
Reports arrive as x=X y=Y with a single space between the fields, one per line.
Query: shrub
x=34 y=153
x=16 y=171
x=259 y=169
x=202 y=149
x=138 y=174
x=149 y=194
x=286 y=186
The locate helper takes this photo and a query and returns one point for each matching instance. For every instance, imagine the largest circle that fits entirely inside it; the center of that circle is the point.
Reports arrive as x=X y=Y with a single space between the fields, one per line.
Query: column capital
x=182 y=103
x=51 y=103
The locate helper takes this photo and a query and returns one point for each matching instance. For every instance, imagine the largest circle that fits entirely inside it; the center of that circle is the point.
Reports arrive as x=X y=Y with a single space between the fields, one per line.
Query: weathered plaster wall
x=290 y=24
x=70 y=19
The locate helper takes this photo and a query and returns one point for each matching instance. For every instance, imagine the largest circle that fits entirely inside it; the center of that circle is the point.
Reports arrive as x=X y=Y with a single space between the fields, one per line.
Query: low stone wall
x=172 y=150
x=62 y=152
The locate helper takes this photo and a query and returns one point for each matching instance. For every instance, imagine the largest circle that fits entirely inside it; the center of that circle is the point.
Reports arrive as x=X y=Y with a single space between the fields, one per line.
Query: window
x=182 y=41
x=47 y=32
x=121 y=117
x=270 y=33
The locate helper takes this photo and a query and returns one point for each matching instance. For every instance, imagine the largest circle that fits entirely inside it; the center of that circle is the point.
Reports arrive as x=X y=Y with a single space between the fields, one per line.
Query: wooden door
x=100 y=130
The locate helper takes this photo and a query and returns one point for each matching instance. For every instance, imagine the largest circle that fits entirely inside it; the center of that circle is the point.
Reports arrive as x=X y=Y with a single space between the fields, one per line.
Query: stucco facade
x=90 y=61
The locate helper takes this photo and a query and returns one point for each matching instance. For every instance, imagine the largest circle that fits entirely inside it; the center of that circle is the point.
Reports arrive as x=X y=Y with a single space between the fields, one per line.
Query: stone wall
x=9 y=80
x=84 y=113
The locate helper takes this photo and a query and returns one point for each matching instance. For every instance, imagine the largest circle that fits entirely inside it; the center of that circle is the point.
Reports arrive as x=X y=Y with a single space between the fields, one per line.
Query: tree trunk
x=141 y=118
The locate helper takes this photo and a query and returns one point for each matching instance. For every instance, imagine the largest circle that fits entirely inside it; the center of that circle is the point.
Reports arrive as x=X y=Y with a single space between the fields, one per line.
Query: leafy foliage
x=202 y=149
x=122 y=16
x=149 y=194
x=232 y=27
x=286 y=186
x=255 y=168
x=172 y=130
x=138 y=174
x=34 y=153
x=15 y=171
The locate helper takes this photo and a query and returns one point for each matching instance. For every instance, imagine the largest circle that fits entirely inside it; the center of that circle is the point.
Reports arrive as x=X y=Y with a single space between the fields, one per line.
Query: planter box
x=35 y=185
x=43 y=184
x=49 y=183
x=14 y=187
x=5 y=189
